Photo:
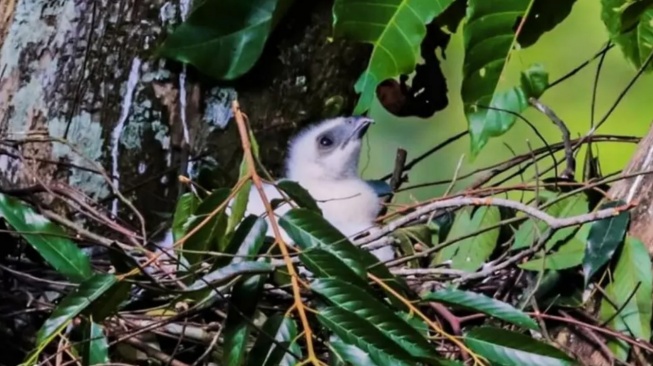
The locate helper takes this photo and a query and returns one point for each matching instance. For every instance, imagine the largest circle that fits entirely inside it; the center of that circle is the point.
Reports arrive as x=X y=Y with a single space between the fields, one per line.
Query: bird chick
x=323 y=159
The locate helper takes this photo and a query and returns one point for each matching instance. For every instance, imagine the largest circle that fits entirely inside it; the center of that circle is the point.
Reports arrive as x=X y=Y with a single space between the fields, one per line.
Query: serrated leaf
x=356 y=331
x=483 y=67
x=207 y=236
x=508 y=348
x=228 y=272
x=242 y=306
x=604 y=239
x=470 y=254
x=356 y=300
x=633 y=268
x=48 y=239
x=267 y=353
x=395 y=29
x=224 y=38
x=298 y=195
x=71 y=306
x=483 y=304
x=308 y=229
x=95 y=347
x=530 y=231
x=635 y=37
x=186 y=206
x=543 y=17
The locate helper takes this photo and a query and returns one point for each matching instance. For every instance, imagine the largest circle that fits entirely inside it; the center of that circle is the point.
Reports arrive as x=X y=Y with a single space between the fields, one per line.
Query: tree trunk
x=82 y=103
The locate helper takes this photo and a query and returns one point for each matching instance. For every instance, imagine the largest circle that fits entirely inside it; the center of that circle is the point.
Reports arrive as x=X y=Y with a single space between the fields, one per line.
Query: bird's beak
x=360 y=125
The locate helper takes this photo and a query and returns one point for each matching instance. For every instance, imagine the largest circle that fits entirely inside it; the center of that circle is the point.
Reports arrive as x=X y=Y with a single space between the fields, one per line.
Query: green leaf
x=362 y=304
x=48 y=239
x=530 y=231
x=239 y=206
x=356 y=331
x=543 y=17
x=484 y=304
x=71 y=306
x=324 y=264
x=395 y=29
x=95 y=347
x=248 y=239
x=308 y=229
x=109 y=302
x=569 y=255
x=224 y=38
x=635 y=37
x=298 y=195
x=489 y=38
x=633 y=268
x=508 y=348
x=604 y=239
x=242 y=306
x=186 y=206
x=206 y=237
x=470 y=254
x=267 y=353
x=349 y=353
x=229 y=272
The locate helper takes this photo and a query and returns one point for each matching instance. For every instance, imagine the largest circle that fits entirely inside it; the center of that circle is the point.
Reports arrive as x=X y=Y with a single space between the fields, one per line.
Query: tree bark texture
x=84 y=103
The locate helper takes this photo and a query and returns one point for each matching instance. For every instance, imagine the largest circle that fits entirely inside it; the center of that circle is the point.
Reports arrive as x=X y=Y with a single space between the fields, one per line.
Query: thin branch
x=570 y=170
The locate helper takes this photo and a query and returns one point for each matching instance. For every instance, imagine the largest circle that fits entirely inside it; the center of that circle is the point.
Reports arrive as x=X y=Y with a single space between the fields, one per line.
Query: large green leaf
x=357 y=331
x=633 y=268
x=224 y=38
x=95 y=347
x=530 y=231
x=267 y=353
x=489 y=37
x=71 y=306
x=470 y=254
x=109 y=302
x=48 y=239
x=484 y=304
x=298 y=194
x=359 y=302
x=345 y=352
x=395 y=29
x=570 y=254
x=186 y=206
x=635 y=36
x=604 y=239
x=239 y=204
x=508 y=348
x=248 y=240
x=242 y=307
x=207 y=236
x=308 y=229
x=543 y=17
x=324 y=264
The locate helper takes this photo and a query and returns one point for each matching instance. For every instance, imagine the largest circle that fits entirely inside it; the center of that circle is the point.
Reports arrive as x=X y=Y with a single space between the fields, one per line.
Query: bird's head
x=327 y=150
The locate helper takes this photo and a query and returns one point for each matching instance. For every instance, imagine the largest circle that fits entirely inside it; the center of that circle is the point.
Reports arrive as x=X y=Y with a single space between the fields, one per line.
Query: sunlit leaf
x=395 y=29
x=239 y=205
x=530 y=231
x=489 y=37
x=186 y=206
x=224 y=38
x=470 y=254
x=362 y=304
x=604 y=239
x=242 y=306
x=266 y=353
x=48 y=239
x=508 y=348
x=483 y=304
x=635 y=36
x=95 y=347
x=298 y=194
x=71 y=306
x=633 y=269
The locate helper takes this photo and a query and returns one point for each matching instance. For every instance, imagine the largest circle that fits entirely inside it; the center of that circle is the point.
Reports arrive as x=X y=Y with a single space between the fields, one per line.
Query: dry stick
x=154 y=353
x=397 y=177
x=570 y=170
x=256 y=179
x=435 y=327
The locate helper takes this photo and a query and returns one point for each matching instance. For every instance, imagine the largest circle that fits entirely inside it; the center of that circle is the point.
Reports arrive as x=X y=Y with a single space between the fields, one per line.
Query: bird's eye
x=325 y=141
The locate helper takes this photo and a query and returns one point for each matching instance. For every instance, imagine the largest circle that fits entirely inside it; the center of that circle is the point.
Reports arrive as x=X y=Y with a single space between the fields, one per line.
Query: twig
x=154 y=353
x=570 y=170
x=397 y=177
